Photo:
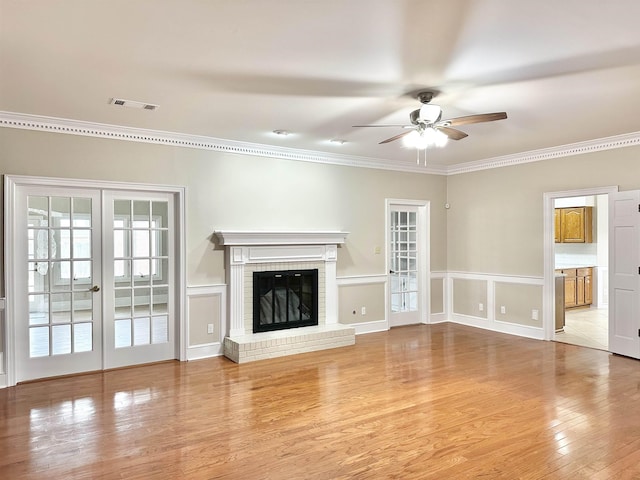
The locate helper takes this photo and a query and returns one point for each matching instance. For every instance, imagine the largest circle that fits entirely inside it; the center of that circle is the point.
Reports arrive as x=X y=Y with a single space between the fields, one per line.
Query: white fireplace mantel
x=263 y=247
x=235 y=237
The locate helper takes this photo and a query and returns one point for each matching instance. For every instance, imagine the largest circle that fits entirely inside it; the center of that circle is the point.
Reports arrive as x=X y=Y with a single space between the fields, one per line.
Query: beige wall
x=229 y=191
x=437 y=295
x=518 y=300
x=495 y=223
x=467 y=297
x=203 y=311
x=351 y=299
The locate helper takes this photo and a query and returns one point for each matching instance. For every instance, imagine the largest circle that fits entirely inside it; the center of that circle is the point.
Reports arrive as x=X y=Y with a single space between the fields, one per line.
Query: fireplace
x=284 y=299
x=297 y=267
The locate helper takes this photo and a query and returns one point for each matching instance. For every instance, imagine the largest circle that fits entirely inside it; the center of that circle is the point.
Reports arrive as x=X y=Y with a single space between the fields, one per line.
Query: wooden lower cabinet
x=578 y=286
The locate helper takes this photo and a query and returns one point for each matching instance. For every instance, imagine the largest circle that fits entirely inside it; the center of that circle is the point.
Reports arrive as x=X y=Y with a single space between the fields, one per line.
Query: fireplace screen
x=285 y=299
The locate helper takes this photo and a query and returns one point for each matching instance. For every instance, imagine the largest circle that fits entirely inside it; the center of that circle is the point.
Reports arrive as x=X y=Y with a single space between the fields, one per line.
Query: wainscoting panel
x=438 y=300
x=358 y=292
x=501 y=303
x=206 y=320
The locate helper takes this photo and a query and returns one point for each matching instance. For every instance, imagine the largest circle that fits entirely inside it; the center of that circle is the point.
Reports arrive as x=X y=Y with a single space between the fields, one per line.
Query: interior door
x=404 y=275
x=95 y=279
x=57 y=300
x=624 y=273
x=139 y=272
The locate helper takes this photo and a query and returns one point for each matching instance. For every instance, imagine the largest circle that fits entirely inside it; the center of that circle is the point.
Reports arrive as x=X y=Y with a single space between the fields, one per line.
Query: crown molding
x=607 y=143
x=132 y=134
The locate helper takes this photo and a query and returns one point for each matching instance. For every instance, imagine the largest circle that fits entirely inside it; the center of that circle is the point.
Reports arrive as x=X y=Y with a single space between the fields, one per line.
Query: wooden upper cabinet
x=556 y=222
x=574 y=225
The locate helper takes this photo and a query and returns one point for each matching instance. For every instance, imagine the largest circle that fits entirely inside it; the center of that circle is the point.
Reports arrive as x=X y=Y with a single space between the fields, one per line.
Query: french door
x=406 y=246
x=94 y=279
x=57 y=285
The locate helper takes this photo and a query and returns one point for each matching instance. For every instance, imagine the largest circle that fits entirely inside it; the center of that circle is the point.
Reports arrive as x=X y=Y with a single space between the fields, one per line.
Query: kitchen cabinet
x=573 y=225
x=578 y=286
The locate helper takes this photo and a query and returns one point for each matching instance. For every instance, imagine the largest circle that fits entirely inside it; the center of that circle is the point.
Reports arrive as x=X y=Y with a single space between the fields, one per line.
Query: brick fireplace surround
x=247 y=252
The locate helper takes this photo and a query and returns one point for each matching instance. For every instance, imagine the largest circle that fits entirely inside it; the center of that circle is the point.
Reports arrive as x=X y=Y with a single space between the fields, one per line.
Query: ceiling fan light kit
x=427 y=129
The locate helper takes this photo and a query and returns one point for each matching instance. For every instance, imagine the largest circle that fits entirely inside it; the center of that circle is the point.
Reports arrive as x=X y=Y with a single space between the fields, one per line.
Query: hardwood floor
x=443 y=402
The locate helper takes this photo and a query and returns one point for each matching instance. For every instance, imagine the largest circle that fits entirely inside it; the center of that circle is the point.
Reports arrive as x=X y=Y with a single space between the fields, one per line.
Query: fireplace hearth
x=284 y=299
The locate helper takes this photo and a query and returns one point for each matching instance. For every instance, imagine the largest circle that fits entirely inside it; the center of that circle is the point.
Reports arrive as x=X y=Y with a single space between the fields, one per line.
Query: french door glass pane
x=141 y=272
x=61 y=339
x=59 y=274
x=403 y=244
x=83 y=337
x=160 y=329
x=141 y=331
x=122 y=333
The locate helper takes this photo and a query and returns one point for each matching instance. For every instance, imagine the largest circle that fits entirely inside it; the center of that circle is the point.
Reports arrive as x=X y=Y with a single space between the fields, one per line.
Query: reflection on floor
x=587 y=327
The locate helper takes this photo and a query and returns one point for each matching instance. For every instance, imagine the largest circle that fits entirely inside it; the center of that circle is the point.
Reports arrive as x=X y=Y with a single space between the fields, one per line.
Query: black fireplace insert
x=284 y=299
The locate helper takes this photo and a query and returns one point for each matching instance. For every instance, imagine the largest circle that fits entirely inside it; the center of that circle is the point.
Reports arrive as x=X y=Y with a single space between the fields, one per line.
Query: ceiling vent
x=133 y=104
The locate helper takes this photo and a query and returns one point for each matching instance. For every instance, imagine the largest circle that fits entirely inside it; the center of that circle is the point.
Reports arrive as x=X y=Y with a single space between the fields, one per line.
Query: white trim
x=91 y=129
x=490 y=322
x=498 y=278
x=206 y=350
x=116 y=132
x=498 y=326
x=229 y=237
x=596 y=145
x=374 y=326
x=548 y=292
x=361 y=279
x=215 y=348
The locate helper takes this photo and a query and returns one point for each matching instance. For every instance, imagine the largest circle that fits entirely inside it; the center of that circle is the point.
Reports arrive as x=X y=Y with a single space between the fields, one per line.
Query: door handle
x=95 y=288
x=391 y=271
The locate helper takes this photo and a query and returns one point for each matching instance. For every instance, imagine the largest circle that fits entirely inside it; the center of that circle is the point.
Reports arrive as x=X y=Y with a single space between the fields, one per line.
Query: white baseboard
x=500 y=327
x=438 y=318
x=198 y=352
x=369 y=327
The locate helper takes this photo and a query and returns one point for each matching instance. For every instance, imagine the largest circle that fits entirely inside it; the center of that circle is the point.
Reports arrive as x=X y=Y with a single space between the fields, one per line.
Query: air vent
x=133 y=104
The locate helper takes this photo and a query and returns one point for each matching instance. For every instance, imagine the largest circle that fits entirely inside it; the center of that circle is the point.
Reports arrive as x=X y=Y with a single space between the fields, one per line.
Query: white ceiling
x=565 y=71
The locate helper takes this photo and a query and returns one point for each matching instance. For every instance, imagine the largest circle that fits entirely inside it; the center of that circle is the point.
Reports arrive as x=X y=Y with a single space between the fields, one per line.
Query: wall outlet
x=377 y=250
x=363 y=311
x=534 y=314
x=481 y=307
x=503 y=309
x=210 y=328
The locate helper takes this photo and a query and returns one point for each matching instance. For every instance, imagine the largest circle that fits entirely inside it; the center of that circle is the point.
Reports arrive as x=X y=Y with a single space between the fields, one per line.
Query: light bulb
x=411 y=139
x=441 y=138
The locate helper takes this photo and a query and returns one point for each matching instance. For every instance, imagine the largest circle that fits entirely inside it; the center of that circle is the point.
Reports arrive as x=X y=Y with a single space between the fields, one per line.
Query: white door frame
x=424 y=254
x=12 y=182
x=549 y=288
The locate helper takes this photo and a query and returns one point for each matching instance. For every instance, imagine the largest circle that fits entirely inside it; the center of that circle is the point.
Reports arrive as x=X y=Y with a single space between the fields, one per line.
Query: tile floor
x=587 y=327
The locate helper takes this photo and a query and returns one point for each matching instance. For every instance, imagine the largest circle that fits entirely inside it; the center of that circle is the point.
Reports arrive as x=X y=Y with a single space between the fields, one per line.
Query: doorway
x=407 y=235
x=95 y=285
x=576 y=269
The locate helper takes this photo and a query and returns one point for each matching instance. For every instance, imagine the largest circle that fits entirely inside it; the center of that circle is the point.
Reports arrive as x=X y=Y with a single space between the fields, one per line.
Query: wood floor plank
x=432 y=402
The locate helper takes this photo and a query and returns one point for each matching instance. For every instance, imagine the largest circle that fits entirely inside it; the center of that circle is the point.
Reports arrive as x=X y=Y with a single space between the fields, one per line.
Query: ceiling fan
x=427 y=127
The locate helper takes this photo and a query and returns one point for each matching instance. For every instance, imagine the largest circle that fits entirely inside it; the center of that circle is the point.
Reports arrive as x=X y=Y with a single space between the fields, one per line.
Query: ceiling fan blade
x=382 y=125
x=395 y=137
x=482 y=117
x=453 y=133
